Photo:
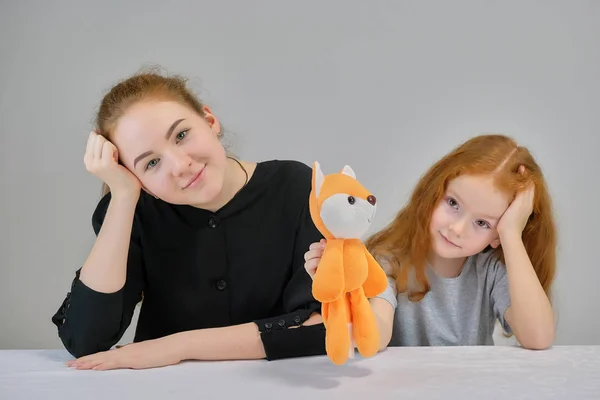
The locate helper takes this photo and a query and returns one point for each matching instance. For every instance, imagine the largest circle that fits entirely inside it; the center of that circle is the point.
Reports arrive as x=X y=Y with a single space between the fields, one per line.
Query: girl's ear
x=495 y=243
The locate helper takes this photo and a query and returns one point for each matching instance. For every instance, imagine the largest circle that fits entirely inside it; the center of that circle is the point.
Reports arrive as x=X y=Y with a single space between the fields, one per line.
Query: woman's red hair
x=405 y=242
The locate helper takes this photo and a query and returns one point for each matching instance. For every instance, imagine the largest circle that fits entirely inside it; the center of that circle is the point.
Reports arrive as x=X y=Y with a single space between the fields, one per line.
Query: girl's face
x=464 y=222
x=175 y=153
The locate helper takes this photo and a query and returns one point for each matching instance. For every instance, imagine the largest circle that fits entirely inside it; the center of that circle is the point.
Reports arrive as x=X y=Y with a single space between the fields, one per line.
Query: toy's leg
x=337 y=340
x=355 y=264
x=325 y=313
x=328 y=281
x=376 y=281
x=364 y=325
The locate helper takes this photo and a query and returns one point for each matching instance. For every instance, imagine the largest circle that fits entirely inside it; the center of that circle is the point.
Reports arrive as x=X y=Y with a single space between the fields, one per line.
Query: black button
x=281 y=322
x=221 y=284
x=268 y=325
x=297 y=319
x=212 y=222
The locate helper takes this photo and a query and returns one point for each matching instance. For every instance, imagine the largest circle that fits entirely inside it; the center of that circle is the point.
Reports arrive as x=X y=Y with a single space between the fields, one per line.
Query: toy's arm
x=328 y=281
x=376 y=281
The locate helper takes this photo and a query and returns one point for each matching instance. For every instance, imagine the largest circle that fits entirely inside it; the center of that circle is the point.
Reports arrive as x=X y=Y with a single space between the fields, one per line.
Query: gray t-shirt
x=457 y=311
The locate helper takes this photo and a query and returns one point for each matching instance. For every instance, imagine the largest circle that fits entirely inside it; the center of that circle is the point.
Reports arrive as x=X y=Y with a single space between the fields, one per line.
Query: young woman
x=211 y=245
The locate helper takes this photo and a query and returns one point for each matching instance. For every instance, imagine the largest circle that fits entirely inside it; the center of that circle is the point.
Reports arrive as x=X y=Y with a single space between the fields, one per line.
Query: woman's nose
x=181 y=164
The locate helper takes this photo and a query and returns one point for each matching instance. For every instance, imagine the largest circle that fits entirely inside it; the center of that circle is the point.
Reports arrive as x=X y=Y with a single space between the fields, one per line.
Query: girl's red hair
x=405 y=242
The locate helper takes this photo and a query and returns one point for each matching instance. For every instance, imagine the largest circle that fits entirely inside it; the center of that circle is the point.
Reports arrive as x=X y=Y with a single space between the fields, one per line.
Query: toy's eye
x=351 y=200
x=372 y=200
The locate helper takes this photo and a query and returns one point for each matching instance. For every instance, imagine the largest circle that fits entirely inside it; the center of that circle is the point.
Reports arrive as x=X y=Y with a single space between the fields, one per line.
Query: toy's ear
x=348 y=171
x=318 y=178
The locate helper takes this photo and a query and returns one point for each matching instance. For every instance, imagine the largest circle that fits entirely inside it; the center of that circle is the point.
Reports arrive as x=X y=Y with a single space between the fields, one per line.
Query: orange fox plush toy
x=347 y=275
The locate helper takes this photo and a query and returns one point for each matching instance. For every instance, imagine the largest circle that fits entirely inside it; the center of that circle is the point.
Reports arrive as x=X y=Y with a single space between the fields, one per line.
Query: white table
x=487 y=372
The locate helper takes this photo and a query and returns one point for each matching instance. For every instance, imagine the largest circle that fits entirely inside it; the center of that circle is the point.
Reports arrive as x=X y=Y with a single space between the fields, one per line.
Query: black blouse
x=198 y=269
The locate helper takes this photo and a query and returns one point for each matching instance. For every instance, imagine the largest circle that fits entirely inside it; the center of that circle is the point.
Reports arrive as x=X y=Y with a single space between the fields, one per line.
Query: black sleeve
x=90 y=321
x=278 y=339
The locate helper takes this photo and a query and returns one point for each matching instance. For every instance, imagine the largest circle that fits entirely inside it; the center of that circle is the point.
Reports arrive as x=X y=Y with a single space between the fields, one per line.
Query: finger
x=312 y=254
x=105 y=366
x=315 y=246
x=89 y=147
x=108 y=151
x=89 y=364
x=311 y=267
x=98 y=144
x=522 y=169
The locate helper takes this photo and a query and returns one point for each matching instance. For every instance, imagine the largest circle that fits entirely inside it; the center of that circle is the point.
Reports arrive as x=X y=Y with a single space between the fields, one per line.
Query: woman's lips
x=195 y=180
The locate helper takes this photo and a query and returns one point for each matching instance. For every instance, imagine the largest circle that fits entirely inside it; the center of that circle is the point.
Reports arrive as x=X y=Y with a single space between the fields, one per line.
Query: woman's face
x=174 y=152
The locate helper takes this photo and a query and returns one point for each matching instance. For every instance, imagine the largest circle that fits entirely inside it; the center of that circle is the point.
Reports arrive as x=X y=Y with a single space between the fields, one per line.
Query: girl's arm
x=530 y=314
x=384 y=315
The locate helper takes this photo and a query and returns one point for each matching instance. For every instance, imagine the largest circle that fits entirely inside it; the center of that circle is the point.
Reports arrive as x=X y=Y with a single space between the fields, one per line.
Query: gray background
x=342 y=82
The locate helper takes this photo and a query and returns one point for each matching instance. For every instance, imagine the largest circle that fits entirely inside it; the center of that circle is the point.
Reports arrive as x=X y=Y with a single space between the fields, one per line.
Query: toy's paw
x=328 y=281
x=376 y=281
x=327 y=292
x=364 y=324
x=337 y=337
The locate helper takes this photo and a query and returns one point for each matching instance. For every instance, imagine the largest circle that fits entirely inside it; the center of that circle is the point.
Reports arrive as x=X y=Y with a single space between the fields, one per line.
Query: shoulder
x=286 y=169
x=290 y=176
x=489 y=265
x=488 y=258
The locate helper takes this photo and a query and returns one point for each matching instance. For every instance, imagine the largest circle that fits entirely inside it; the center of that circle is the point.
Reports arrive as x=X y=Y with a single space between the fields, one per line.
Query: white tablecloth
x=487 y=372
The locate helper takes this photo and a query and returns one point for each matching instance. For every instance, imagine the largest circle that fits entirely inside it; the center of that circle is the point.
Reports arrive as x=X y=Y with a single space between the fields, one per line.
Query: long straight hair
x=406 y=241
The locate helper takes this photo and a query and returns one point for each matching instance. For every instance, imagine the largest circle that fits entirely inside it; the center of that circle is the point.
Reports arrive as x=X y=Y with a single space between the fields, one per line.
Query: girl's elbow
x=539 y=341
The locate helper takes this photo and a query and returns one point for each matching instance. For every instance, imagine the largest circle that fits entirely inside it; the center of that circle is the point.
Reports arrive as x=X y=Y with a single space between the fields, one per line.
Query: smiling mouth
x=449 y=241
x=195 y=179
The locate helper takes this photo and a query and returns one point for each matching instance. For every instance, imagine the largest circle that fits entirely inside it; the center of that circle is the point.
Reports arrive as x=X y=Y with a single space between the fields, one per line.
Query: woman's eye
x=152 y=163
x=181 y=135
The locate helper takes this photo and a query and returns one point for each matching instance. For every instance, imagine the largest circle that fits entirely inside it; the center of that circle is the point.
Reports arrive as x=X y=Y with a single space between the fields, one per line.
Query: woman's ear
x=212 y=121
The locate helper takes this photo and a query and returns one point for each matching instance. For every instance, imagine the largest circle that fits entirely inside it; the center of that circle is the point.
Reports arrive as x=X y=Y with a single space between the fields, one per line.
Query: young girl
x=183 y=225
x=475 y=244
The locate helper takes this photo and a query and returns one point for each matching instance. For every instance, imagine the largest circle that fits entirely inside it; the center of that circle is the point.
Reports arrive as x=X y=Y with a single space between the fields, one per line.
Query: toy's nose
x=372 y=200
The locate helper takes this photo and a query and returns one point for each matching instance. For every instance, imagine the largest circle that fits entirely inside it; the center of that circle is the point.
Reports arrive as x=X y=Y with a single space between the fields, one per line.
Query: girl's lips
x=448 y=241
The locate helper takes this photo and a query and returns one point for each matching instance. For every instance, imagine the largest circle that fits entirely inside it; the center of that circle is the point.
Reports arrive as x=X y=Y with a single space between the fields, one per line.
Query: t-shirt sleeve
x=500 y=296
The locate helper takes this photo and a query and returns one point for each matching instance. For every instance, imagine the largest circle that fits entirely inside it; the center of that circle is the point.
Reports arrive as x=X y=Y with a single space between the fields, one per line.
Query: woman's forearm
x=105 y=269
x=239 y=342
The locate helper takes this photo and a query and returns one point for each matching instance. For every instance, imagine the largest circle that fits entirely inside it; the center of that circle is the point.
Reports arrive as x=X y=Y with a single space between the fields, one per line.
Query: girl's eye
x=482 y=224
x=451 y=202
x=181 y=135
x=152 y=163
